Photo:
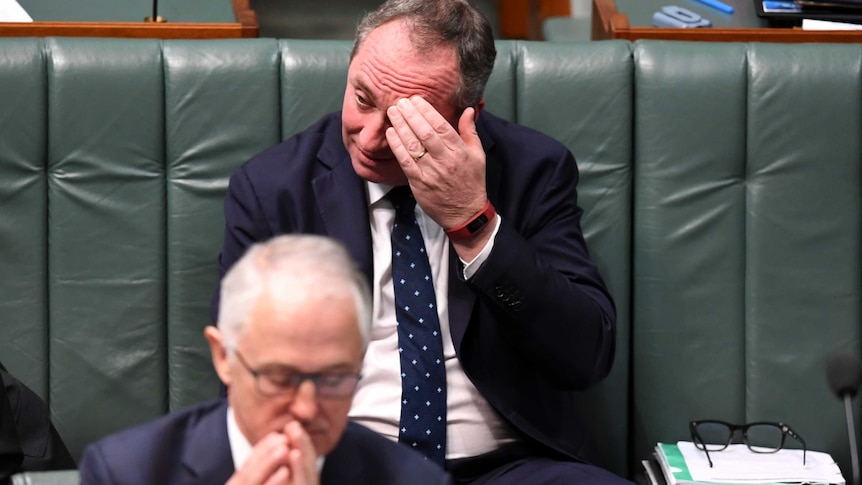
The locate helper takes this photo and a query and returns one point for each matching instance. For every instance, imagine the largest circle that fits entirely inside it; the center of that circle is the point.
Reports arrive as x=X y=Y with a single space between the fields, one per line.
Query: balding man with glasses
x=292 y=332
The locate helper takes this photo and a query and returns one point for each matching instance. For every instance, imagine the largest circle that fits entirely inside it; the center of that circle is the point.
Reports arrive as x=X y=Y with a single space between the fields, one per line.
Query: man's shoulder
x=185 y=418
x=303 y=146
x=498 y=134
x=147 y=445
x=502 y=129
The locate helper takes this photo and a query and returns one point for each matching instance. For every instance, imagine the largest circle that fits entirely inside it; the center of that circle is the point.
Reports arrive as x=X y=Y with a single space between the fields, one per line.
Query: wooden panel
x=522 y=19
x=245 y=26
x=246 y=17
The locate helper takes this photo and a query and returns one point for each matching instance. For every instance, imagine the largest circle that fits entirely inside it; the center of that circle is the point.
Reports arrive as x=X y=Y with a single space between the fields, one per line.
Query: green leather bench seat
x=721 y=184
x=114 y=159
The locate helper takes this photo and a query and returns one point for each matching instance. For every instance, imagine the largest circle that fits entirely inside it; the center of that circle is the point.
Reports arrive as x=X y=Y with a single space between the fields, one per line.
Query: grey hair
x=434 y=22
x=290 y=264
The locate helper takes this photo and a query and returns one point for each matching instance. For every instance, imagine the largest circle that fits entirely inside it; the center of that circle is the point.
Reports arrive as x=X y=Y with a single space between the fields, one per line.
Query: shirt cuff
x=472 y=267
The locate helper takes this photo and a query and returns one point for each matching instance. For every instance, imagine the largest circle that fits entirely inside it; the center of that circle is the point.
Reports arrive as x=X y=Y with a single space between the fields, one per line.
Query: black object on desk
x=849 y=11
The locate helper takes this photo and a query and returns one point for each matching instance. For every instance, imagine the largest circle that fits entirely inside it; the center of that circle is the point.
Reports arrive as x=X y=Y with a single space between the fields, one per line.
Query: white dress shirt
x=473 y=427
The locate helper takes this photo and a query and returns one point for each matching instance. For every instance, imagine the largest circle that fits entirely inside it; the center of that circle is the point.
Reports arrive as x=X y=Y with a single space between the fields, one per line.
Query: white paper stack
x=683 y=463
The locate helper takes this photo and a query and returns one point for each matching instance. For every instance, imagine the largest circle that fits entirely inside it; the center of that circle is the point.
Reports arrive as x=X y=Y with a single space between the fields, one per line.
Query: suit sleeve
x=94 y=468
x=245 y=224
x=543 y=290
x=10 y=449
x=33 y=434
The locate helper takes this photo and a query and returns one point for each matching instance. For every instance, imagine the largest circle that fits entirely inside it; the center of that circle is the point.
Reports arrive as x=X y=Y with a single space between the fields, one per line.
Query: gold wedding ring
x=419 y=157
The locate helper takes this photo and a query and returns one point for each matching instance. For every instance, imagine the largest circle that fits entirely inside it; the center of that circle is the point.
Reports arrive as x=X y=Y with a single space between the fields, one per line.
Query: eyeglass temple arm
x=696 y=437
x=708 y=458
x=793 y=434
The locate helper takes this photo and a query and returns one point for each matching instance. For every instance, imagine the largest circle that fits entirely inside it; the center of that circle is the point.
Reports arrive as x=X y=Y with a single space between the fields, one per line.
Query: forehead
x=388 y=64
x=308 y=333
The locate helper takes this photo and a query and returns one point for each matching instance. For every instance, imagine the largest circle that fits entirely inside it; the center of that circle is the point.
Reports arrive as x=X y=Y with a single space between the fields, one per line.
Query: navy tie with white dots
x=423 y=372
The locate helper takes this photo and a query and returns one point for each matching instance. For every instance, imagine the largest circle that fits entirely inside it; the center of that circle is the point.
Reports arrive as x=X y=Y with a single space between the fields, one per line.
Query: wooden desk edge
x=140 y=30
x=246 y=26
x=606 y=20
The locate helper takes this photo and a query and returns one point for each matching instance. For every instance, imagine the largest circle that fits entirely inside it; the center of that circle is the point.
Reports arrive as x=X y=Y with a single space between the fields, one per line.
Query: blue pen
x=717 y=5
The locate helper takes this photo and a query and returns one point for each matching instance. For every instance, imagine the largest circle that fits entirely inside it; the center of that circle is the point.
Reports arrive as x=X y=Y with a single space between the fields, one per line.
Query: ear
x=221 y=362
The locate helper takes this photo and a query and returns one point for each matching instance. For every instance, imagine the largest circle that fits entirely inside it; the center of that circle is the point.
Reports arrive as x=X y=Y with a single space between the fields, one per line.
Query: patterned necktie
x=423 y=372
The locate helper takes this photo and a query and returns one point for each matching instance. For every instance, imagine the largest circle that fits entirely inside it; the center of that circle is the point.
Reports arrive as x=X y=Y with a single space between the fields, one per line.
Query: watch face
x=477 y=223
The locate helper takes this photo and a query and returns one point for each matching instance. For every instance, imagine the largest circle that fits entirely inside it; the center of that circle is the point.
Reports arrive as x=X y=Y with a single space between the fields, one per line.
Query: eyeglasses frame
x=786 y=430
x=297 y=378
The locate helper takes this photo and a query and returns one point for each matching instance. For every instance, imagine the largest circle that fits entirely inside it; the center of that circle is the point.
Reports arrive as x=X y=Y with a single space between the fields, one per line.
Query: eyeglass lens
x=760 y=437
x=328 y=385
x=275 y=383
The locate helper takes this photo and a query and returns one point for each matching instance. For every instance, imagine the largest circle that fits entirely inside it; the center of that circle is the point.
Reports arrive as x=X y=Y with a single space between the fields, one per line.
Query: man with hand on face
x=480 y=376
x=293 y=328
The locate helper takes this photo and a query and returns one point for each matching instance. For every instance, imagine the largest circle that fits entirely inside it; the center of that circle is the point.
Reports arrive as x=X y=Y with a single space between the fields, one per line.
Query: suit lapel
x=207 y=455
x=342 y=202
x=345 y=464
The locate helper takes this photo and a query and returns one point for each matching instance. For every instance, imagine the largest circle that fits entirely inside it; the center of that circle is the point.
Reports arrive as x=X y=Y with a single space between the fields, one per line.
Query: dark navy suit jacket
x=534 y=324
x=191 y=447
x=28 y=439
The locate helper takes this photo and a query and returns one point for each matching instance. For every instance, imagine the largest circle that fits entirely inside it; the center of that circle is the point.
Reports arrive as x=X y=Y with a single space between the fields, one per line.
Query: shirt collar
x=376 y=192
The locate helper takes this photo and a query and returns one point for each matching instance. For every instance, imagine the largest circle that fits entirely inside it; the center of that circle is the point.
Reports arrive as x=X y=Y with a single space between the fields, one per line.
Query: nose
x=304 y=406
x=372 y=137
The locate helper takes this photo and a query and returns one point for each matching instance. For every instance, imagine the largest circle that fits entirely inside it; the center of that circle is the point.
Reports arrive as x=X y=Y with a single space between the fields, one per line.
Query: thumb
x=467 y=129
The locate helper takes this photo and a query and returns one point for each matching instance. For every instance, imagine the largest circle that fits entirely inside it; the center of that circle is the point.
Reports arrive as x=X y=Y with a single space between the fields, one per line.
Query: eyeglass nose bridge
x=292 y=387
x=324 y=387
x=297 y=378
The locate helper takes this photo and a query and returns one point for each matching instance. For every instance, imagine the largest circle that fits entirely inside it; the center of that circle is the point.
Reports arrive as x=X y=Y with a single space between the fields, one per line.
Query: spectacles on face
x=281 y=383
x=760 y=437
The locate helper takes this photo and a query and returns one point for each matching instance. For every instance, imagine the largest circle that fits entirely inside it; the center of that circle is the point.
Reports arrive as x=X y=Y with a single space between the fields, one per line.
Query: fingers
x=421 y=128
x=268 y=461
x=399 y=149
x=302 y=456
x=420 y=132
x=280 y=458
x=280 y=477
x=411 y=128
x=449 y=180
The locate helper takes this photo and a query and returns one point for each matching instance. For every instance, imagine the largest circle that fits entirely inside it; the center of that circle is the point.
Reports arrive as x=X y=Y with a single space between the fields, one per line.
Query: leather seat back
x=114 y=160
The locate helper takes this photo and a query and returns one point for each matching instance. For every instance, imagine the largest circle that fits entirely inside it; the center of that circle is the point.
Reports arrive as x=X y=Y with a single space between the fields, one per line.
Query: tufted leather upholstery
x=721 y=184
x=747 y=209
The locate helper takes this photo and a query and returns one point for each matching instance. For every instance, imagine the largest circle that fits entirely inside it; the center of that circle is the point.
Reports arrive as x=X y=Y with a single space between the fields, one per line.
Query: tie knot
x=402 y=198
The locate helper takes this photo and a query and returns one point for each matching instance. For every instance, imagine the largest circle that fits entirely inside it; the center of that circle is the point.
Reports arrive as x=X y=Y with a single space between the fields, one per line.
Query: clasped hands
x=285 y=458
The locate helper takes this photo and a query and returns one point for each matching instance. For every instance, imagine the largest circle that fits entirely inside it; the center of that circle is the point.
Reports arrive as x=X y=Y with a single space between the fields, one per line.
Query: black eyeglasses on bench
x=760 y=437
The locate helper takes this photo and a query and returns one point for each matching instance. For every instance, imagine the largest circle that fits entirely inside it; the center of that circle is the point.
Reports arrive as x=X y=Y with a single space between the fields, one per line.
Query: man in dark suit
x=524 y=315
x=293 y=327
x=28 y=439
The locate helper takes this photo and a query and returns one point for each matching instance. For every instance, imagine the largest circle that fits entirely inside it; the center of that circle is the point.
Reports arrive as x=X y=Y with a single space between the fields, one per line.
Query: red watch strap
x=474 y=224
